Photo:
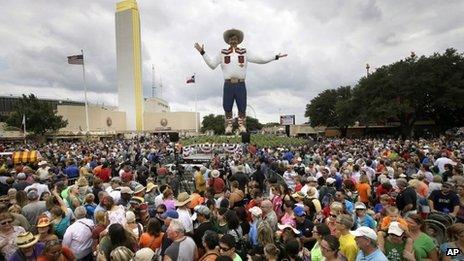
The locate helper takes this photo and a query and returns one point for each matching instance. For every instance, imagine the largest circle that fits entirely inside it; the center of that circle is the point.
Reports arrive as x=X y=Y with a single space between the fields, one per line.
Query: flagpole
x=24 y=128
x=85 y=93
x=196 y=96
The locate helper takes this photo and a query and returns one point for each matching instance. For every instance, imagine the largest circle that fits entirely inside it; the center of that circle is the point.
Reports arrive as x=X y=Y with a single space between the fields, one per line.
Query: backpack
x=327 y=200
x=241 y=246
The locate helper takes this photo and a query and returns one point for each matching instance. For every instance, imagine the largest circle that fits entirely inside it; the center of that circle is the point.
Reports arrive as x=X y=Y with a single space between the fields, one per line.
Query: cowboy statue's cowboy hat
x=227 y=34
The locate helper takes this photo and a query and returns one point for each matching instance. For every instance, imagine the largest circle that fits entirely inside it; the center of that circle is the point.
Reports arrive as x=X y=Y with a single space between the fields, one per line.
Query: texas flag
x=191 y=79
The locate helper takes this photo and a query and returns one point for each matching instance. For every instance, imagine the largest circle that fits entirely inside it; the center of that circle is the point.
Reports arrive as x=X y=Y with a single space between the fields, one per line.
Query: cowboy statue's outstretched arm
x=211 y=62
x=253 y=58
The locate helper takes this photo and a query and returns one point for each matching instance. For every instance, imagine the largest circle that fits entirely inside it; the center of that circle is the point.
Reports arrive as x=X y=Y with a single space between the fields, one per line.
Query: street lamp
x=367 y=69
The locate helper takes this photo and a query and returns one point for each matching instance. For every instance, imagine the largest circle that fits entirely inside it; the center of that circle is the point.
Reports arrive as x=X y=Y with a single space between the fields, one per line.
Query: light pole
x=367 y=69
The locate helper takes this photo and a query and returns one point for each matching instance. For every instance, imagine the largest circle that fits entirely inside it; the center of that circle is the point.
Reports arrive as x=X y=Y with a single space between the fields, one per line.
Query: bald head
x=266 y=206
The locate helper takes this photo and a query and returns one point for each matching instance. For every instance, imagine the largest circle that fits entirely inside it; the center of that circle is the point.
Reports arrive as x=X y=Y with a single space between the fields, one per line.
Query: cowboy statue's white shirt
x=230 y=64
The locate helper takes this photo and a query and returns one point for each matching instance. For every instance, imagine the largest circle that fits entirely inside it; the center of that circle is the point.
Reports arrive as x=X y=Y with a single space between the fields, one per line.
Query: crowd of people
x=339 y=199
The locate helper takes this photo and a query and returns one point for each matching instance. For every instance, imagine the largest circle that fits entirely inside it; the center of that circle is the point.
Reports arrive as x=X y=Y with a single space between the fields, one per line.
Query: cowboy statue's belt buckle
x=234 y=80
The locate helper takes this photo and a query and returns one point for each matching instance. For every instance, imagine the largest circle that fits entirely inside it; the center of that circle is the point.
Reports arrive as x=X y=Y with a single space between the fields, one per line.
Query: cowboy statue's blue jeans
x=234 y=92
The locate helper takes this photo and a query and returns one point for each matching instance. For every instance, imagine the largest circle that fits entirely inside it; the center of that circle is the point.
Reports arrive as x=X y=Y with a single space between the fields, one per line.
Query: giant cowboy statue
x=233 y=62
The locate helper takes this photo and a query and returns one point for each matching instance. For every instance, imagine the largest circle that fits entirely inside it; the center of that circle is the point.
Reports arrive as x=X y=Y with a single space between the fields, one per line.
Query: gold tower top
x=126 y=5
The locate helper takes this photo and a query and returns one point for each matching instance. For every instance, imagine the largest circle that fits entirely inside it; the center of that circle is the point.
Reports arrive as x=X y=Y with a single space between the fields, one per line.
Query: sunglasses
x=6 y=222
x=333 y=215
x=159 y=212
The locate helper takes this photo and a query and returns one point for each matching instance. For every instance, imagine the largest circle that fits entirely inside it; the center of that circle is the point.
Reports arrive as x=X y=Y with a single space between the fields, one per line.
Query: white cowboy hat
x=227 y=34
x=215 y=173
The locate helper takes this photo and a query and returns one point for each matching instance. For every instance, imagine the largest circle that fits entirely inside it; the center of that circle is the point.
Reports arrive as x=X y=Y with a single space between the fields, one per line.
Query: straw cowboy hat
x=139 y=188
x=151 y=186
x=182 y=199
x=227 y=34
x=26 y=239
x=43 y=222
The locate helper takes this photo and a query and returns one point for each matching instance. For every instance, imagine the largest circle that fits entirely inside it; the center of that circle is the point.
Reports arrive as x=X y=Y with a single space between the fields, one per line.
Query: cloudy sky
x=328 y=44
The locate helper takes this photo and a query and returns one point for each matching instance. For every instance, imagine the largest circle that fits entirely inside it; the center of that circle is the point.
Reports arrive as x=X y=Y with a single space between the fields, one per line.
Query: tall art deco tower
x=129 y=64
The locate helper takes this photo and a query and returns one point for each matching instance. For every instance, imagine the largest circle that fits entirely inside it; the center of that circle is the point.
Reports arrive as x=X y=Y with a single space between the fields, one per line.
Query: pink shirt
x=288 y=219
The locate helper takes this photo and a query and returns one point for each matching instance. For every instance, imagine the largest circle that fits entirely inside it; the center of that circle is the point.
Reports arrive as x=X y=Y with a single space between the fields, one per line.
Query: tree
x=252 y=124
x=213 y=122
x=40 y=116
x=425 y=88
x=216 y=123
x=271 y=124
x=332 y=108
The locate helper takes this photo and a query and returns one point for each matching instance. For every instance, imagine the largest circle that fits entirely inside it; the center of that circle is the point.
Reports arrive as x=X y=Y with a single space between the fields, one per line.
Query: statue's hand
x=199 y=48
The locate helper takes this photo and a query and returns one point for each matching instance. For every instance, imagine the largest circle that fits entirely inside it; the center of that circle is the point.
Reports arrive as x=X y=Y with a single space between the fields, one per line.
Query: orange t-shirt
x=385 y=223
x=146 y=240
x=422 y=189
x=363 y=189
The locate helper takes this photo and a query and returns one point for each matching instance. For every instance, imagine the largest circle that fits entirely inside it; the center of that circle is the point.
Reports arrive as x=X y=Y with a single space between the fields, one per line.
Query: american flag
x=76 y=59
x=191 y=79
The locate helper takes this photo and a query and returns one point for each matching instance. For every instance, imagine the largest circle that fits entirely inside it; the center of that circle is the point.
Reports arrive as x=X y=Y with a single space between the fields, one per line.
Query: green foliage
x=40 y=116
x=216 y=123
x=416 y=88
x=253 y=124
x=262 y=140
x=331 y=108
x=213 y=122
x=271 y=124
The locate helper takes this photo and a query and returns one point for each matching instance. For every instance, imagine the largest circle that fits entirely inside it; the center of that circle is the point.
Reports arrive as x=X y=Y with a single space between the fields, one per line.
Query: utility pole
x=153 y=87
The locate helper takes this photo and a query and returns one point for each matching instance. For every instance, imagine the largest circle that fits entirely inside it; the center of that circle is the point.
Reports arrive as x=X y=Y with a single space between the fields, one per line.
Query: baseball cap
x=359 y=205
x=117 y=180
x=170 y=214
x=255 y=211
x=311 y=179
x=284 y=226
x=130 y=216
x=395 y=229
x=21 y=176
x=365 y=232
x=202 y=210
x=32 y=194
x=330 y=181
x=299 y=211
x=144 y=254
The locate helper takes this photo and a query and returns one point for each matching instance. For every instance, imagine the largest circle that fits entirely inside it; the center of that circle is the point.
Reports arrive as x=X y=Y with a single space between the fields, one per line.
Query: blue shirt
x=377 y=255
x=349 y=206
x=253 y=234
x=72 y=171
x=366 y=221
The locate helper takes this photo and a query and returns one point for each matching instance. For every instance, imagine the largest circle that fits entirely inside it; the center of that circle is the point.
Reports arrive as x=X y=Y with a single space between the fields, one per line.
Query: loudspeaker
x=245 y=137
x=173 y=136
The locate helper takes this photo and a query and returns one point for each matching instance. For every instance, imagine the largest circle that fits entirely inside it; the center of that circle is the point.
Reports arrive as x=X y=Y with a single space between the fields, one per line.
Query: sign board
x=287 y=119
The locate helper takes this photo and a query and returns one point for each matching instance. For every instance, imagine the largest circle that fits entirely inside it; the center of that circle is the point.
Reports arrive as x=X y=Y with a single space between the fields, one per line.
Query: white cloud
x=328 y=43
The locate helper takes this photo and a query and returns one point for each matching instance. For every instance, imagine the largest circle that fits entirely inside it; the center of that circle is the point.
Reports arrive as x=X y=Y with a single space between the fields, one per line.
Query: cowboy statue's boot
x=229 y=122
x=241 y=122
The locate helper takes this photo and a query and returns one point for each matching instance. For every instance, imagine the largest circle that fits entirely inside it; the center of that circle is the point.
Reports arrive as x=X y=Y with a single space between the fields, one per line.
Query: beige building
x=108 y=119
x=156 y=104
x=101 y=119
